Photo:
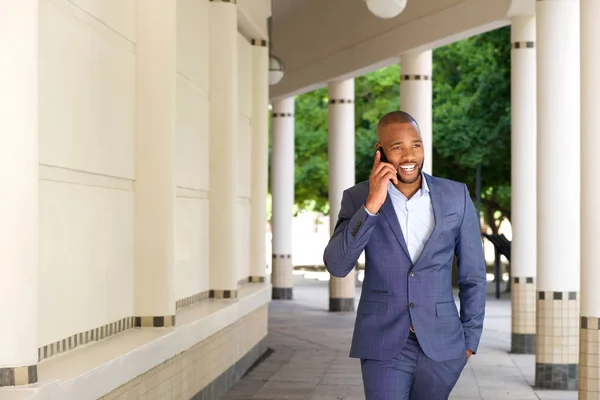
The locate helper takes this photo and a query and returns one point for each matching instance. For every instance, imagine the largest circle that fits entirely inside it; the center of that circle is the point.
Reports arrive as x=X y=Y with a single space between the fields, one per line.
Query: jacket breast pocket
x=450 y=219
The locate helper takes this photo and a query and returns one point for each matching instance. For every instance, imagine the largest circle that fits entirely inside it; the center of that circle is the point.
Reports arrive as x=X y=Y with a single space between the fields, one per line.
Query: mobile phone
x=382 y=157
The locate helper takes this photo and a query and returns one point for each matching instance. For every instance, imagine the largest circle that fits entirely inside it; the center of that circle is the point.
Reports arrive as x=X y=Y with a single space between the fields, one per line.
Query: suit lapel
x=387 y=209
x=437 y=203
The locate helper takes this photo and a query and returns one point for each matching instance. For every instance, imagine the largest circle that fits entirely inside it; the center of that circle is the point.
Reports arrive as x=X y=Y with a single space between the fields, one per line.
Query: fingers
x=377 y=160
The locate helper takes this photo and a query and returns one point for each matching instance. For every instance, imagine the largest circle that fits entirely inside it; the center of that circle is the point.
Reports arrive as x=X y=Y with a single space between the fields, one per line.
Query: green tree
x=471 y=123
x=471 y=117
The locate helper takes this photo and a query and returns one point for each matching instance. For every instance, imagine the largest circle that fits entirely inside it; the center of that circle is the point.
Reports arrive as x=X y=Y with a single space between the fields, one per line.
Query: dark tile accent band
x=259 y=42
x=417 y=77
x=282 y=293
x=221 y=385
x=155 y=322
x=556 y=376
x=590 y=323
x=282 y=256
x=522 y=343
x=18 y=376
x=528 y=279
x=557 y=295
x=337 y=304
x=188 y=301
x=224 y=1
x=341 y=101
x=223 y=294
x=282 y=115
x=256 y=279
x=523 y=45
x=82 y=338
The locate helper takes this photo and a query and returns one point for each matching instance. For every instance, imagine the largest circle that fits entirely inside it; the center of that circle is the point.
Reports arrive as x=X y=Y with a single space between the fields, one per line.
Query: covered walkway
x=309 y=358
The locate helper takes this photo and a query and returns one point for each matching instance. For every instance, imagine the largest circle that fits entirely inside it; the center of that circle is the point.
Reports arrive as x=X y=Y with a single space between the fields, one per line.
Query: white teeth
x=408 y=167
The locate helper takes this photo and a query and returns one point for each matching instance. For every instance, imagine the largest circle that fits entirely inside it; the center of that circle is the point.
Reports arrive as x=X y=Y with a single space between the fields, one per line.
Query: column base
x=522 y=343
x=282 y=293
x=337 y=304
x=18 y=376
x=222 y=294
x=154 y=322
x=589 y=351
x=256 y=279
x=556 y=376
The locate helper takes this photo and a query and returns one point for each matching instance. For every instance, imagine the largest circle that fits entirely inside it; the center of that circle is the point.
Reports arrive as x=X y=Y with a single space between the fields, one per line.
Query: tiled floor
x=310 y=356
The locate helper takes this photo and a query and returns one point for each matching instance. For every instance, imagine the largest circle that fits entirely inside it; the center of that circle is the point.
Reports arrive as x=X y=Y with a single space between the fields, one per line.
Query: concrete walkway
x=310 y=356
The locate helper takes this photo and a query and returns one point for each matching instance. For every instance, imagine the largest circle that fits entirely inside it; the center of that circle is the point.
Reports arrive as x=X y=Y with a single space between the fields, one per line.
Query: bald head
x=397 y=117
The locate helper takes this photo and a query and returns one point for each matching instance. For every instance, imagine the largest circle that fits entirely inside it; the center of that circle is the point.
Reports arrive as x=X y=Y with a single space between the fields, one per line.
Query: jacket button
x=411 y=305
x=412 y=274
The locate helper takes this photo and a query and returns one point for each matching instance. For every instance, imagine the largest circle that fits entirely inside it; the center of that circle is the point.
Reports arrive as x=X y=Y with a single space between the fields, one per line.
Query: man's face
x=403 y=148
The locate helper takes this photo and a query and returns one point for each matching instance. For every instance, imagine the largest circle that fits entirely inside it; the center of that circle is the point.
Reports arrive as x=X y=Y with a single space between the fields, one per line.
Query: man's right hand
x=381 y=174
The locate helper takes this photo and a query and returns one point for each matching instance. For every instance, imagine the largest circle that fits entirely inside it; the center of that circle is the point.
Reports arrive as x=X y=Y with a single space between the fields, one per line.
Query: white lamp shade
x=386 y=8
x=276 y=70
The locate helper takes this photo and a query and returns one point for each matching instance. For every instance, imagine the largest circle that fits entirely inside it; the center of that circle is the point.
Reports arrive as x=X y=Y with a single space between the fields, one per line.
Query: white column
x=557 y=332
x=341 y=153
x=282 y=192
x=19 y=191
x=416 y=97
x=260 y=160
x=523 y=195
x=154 y=161
x=589 y=351
x=223 y=149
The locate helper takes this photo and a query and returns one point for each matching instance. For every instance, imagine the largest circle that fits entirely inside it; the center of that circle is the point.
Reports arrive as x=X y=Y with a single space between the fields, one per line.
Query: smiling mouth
x=408 y=168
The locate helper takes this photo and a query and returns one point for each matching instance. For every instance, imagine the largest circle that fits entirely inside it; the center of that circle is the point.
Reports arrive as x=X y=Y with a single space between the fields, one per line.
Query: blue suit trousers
x=411 y=375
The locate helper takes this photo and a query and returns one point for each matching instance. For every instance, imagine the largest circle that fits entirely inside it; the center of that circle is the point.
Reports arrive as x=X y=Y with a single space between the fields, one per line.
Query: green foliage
x=471 y=122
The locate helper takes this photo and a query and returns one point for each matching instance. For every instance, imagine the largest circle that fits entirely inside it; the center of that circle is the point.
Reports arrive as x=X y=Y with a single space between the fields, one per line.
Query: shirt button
x=412 y=274
x=411 y=305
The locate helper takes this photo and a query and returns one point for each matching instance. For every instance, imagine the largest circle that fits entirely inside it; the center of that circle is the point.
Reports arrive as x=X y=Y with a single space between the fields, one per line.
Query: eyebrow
x=412 y=141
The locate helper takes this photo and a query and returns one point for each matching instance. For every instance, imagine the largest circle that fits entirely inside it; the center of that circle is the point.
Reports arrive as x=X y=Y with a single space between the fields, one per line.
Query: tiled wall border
x=415 y=77
x=18 y=376
x=82 y=338
x=227 y=379
x=589 y=352
x=105 y=331
x=557 y=340
x=188 y=301
x=523 y=311
x=223 y=294
x=161 y=321
x=256 y=279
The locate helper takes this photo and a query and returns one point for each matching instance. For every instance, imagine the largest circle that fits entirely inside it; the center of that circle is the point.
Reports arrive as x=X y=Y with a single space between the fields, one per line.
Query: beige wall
x=87 y=126
x=86 y=129
x=244 y=150
x=192 y=135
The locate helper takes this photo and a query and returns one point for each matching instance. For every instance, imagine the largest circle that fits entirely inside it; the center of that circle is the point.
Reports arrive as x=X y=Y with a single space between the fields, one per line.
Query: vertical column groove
x=19 y=220
x=416 y=97
x=282 y=191
x=223 y=207
x=558 y=155
x=523 y=195
x=589 y=343
x=341 y=152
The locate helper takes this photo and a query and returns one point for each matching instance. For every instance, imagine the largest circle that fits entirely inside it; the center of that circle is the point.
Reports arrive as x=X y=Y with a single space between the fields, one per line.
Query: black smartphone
x=382 y=155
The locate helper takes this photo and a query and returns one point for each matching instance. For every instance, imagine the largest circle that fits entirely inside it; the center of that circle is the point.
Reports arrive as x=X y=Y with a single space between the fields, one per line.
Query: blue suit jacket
x=395 y=291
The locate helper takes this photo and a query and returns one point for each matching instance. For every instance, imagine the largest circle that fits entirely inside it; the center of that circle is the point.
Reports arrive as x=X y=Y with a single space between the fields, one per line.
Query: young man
x=411 y=340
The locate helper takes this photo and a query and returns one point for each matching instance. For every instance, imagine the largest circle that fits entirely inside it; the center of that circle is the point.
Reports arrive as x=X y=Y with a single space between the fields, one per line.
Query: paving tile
x=310 y=359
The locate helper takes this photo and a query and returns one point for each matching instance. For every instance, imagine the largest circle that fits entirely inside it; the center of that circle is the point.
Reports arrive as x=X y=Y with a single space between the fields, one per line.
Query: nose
x=408 y=155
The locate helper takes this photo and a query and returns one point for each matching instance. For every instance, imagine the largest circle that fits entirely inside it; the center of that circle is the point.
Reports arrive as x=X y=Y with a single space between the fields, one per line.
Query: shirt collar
x=421 y=192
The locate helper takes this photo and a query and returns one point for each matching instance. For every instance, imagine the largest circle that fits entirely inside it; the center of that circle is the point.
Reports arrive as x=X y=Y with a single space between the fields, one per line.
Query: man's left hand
x=469 y=352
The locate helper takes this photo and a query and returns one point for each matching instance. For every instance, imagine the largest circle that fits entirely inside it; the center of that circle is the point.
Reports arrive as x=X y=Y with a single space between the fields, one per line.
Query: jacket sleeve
x=471 y=275
x=350 y=236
